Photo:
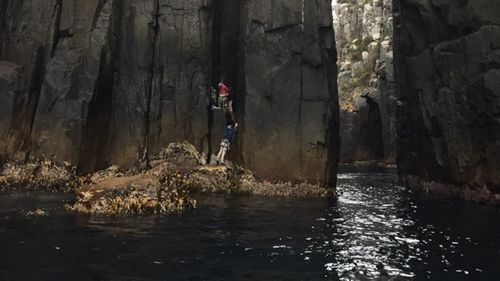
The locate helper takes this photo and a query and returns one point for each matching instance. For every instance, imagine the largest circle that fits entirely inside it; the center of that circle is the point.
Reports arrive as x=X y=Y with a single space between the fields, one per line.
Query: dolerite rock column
x=447 y=58
x=290 y=105
x=164 y=74
x=106 y=82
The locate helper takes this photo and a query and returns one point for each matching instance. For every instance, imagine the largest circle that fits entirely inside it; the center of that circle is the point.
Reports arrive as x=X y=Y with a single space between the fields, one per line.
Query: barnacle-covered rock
x=232 y=180
x=38 y=212
x=128 y=195
x=182 y=154
x=109 y=173
x=42 y=175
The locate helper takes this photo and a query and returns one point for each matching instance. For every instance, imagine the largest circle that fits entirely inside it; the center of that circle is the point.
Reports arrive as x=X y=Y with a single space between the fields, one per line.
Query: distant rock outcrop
x=364 y=37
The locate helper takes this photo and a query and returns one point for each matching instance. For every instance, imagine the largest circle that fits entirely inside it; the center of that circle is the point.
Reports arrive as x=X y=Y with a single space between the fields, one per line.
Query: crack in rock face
x=113 y=82
x=101 y=83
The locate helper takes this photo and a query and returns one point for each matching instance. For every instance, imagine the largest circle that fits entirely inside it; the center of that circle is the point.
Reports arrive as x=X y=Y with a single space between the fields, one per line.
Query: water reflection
x=368 y=226
x=375 y=231
x=378 y=230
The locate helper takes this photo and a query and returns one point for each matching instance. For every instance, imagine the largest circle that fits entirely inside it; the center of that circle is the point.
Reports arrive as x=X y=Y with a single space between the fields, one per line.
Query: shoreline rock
x=40 y=175
x=369 y=164
x=469 y=192
x=172 y=176
x=130 y=195
x=235 y=180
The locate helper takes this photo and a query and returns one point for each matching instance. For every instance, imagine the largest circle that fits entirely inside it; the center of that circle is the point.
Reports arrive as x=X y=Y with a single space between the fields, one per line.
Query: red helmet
x=223 y=89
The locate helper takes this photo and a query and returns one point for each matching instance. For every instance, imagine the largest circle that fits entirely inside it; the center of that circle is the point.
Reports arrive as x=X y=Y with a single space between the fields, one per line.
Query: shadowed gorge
x=370 y=141
x=364 y=36
x=94 y=154
x=249 y=140
x=97 y=83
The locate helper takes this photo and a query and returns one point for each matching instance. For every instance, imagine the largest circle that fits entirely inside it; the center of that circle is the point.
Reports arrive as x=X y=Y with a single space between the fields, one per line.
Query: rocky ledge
x=165 y=186
x=42 y=175
x=470 y=192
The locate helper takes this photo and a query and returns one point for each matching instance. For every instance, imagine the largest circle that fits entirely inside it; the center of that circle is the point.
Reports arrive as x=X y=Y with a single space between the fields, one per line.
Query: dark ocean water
x=375 y=231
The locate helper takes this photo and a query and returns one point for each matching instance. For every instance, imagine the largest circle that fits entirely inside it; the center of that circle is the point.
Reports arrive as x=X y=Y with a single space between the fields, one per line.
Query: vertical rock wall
x=447 y=56
x=110 y=82
x=364 y=39
x=290 y=102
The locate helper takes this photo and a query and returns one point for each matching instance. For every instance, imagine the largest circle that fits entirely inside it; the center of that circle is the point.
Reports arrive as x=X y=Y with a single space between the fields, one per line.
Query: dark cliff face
x=110 y=82
x=447 y=58
x=290 y=104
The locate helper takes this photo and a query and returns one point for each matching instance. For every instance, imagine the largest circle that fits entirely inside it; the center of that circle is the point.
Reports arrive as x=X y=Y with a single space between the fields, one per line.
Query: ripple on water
x=367 y=232
x=375 y=231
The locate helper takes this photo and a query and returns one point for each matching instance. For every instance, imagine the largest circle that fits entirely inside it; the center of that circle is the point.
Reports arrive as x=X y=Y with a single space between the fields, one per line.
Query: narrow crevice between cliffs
x=226 y=63
x=301 y=102
x=25 y=106
x=56 y=33
x=33 y=98
x=150 y=88
x=327 y=41
x=370 y=142
x=96 y=132
x=215 y=69
x=4 y=34
x=240 y=83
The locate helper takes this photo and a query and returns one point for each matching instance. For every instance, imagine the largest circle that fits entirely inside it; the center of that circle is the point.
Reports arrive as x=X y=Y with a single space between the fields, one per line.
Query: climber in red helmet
x=223 y=90
x=223 y=100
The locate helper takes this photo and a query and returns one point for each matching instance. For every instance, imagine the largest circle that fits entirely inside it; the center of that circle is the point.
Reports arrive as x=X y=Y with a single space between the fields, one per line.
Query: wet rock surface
x=176 y=174
x=470 y=192
x=447 y=68
x=235 y=180
x=131 y=195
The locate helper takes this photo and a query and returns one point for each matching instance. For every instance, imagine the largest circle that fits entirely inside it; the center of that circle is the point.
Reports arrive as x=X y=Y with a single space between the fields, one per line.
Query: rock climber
x=225 y=144
x=220 y=97
x=223 y=99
